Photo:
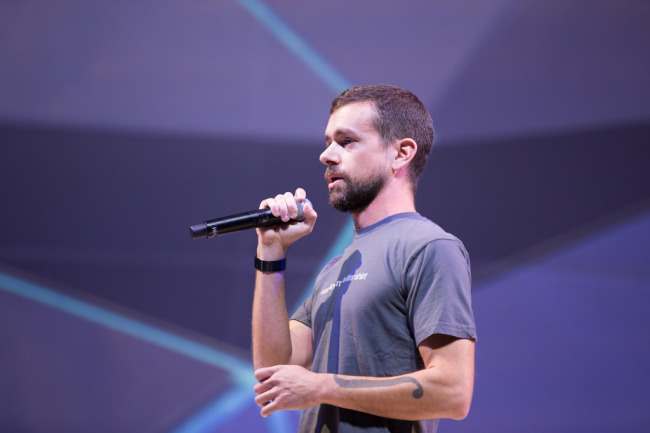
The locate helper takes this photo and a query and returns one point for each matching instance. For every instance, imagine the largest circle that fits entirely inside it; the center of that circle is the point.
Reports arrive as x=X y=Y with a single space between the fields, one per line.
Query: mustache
x=329 y=173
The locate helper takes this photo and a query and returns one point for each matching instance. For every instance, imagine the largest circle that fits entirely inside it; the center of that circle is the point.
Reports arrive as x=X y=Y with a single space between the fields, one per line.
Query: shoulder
x=331 y=263
x=419 y=232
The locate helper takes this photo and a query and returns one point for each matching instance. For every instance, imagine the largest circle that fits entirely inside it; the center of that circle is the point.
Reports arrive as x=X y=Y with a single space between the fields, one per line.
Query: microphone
x=242 y=221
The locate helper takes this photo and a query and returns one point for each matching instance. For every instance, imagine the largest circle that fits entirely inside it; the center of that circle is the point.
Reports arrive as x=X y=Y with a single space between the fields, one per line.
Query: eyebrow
x=339 y=132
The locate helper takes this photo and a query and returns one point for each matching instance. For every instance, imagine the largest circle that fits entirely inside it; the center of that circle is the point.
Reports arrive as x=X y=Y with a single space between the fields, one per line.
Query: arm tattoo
x=366 y=383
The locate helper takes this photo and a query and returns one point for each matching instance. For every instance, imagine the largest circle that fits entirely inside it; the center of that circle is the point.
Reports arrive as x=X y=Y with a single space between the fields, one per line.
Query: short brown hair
x=400 y=115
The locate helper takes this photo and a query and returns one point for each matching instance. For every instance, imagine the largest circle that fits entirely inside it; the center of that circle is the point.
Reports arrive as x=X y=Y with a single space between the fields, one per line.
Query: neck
x=389 y=201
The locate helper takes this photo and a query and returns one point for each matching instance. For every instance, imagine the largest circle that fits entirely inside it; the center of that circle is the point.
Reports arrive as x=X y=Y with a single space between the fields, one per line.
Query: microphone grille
x=301 y=213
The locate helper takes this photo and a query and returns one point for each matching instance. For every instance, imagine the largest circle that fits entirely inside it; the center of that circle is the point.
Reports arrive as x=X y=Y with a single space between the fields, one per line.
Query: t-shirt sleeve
x=438 y=281
x=303 y=313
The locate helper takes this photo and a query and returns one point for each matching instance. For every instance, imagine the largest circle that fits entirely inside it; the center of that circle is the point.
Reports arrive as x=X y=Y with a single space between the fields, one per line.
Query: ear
x=405 y=152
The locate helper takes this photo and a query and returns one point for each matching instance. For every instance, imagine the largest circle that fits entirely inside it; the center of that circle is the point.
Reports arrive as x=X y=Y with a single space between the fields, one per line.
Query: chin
x=337 y=200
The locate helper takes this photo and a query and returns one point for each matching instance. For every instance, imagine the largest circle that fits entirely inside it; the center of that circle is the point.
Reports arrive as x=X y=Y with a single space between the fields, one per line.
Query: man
x=386 y=341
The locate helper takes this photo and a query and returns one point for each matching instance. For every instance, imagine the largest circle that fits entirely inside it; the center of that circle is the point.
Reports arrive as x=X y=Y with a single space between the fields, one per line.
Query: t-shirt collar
x=365 y=230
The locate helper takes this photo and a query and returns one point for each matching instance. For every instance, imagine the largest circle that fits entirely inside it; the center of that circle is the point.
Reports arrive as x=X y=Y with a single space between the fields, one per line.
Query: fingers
x=268 y=398
x=263 y=376
x=264 y=398
x=300 y=194
x=267 y=402
x=309 y=213
x=264 y=373
x=268 y=409
x=274 y=241
x=285 y=205
x=266 y=394
x=278 y=206
x=284 y=387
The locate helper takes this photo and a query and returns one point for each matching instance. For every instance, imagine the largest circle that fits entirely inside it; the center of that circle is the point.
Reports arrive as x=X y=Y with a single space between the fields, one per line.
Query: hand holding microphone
x=258 y=218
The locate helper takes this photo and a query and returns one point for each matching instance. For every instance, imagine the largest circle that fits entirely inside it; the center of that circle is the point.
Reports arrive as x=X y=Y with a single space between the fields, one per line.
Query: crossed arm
x=443 y=389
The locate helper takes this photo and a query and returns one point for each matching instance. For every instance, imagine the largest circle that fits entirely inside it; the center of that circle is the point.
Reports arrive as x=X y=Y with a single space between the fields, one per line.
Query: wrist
x=271 y=252
x=325 y=390
x=270 y=265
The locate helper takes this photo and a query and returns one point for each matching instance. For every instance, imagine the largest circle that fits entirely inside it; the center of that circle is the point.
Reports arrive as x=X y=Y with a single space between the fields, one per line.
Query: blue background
x=123 y=123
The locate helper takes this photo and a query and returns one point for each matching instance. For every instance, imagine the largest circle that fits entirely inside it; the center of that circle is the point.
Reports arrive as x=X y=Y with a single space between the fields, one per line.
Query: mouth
x=333 y=179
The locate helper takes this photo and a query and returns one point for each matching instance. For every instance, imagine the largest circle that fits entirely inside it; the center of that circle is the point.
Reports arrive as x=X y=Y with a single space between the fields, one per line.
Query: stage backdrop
x=122 y=124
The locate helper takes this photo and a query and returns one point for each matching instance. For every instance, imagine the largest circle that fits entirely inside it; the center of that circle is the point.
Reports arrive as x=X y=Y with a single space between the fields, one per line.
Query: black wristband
x=270 y=266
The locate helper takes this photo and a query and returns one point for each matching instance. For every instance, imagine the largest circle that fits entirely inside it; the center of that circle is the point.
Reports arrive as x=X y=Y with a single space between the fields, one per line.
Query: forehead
x=356 y=117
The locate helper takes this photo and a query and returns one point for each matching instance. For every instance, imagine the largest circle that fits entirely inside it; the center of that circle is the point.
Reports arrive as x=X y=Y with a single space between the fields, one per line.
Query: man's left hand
x=286 y=387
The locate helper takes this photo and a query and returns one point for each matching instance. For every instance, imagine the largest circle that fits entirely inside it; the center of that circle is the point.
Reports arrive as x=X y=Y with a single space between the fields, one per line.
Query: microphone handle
x=241 y=221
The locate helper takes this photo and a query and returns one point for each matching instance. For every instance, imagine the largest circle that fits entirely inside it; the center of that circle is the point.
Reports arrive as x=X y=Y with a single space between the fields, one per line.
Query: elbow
x=452 y=409
x=460 y=397
x=460 y=405
x=452 y=406
x=454 y=403
x=460 y=411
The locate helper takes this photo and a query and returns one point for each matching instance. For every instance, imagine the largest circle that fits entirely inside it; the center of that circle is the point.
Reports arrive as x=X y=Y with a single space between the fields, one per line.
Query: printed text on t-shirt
x=351 y=277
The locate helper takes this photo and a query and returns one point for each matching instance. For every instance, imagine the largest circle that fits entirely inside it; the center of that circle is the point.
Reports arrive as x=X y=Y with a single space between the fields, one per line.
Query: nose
x=330 y=155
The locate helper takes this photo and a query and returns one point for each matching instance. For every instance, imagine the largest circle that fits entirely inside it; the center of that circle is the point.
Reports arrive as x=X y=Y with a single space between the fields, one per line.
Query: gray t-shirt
x=399 y=281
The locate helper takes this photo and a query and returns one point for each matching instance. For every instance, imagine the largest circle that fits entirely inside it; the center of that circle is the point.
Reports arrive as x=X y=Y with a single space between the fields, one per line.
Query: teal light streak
x=279 y=422
x=203 y=422
x=296 y=44
x=241 y=395
x=241 y=371
x=215 y=414
x=325 y=72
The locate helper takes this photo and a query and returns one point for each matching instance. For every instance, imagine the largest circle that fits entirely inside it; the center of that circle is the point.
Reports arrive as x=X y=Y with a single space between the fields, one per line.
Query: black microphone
x=242 y=221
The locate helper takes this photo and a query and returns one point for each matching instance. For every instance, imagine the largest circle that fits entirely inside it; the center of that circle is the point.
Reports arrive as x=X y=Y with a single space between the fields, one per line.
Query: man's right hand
x=274 y=241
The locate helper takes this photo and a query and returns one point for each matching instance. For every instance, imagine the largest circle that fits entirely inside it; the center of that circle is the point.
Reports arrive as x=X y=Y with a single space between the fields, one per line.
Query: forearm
x=420 y=395
x=425 y=394
x=270 y=323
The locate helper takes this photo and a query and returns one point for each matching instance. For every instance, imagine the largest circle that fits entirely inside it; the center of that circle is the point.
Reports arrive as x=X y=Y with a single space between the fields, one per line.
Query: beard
x=357 y=195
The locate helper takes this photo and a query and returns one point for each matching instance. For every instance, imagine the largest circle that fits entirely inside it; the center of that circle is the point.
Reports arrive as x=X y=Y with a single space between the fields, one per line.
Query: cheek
x=372 y=166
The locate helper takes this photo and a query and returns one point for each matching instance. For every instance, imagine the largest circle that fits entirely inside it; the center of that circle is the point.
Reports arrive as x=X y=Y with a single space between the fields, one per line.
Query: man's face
x=356 y=158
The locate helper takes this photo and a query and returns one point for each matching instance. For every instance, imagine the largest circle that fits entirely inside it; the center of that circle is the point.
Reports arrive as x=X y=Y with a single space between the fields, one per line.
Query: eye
x=342 y=141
